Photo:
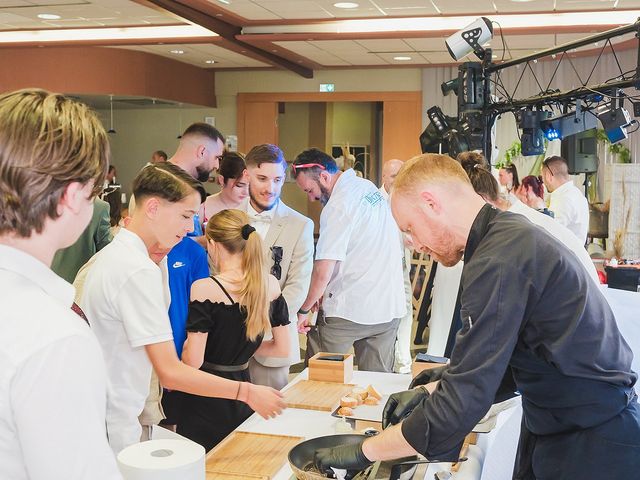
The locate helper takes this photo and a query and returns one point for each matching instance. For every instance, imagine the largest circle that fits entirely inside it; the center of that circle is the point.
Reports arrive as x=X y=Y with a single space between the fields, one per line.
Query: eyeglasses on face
x=302 y=166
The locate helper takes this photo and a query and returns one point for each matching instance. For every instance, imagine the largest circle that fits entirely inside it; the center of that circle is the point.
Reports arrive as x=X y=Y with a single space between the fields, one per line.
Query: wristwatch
x=303 y=312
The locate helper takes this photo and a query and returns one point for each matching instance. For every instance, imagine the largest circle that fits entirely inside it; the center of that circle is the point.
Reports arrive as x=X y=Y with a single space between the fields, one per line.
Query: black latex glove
x=401 y=404
x=348 y=457
x=428 y=376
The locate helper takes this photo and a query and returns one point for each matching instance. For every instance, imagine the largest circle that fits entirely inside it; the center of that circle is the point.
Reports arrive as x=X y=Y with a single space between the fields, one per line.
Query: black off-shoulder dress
x=208 y=420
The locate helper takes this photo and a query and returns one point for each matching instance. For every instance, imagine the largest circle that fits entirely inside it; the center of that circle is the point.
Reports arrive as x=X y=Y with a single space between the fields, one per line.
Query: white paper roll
x=162 y=460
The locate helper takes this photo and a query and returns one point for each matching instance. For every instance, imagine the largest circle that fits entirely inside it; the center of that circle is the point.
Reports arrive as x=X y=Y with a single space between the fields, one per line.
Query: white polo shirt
x=358 y=231
x=567 y=238
x=52 y=379
x=126 y=299
x=571 y=209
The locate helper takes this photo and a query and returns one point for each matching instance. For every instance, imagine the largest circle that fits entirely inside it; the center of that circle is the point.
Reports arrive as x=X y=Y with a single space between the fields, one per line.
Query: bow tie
x=260 y=219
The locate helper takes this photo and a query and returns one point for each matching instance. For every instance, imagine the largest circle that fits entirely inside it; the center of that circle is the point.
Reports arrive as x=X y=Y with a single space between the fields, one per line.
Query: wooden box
x=327 y=367
x=417 y=367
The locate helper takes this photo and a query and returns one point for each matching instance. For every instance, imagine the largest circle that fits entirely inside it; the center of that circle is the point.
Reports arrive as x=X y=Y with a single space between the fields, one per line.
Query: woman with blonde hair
x=228 y=317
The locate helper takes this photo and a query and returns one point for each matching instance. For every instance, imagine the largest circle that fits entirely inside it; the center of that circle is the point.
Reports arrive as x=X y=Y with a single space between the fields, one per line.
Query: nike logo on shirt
x=178 y=265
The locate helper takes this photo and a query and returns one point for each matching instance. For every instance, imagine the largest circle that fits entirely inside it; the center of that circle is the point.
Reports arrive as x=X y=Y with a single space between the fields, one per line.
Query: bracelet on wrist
x=303 y=312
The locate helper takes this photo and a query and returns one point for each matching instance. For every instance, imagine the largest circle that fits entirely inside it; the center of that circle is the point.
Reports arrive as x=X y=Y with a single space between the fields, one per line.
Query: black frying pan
x=301 y=457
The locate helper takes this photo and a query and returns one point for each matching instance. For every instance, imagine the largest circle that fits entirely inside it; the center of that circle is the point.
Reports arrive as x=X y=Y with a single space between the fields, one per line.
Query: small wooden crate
x=417 y=367
x=331 y=370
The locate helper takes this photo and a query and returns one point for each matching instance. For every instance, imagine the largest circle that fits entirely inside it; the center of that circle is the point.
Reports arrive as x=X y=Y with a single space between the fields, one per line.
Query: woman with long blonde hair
x=228 y=316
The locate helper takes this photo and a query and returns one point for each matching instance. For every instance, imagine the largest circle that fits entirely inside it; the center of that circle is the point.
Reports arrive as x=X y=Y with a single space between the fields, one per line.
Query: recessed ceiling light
x=346 y=5
x=402 y=58
x=49 y=16
x=177 y=52
x=209 y=61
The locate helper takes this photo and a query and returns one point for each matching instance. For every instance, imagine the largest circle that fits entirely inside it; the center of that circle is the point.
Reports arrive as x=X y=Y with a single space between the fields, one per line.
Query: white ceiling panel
x=509 y=6
x=585 y=4
x=416 y=58
x=343 y=46
x=76 y=13
x=361 y=60
x=426 y=44
x=464 y=6
x=389 y=45
x=198 y=54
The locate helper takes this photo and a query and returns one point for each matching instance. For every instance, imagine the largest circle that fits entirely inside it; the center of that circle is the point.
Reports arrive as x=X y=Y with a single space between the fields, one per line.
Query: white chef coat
x=571 y=209
x=52 y=379
x=358 y=231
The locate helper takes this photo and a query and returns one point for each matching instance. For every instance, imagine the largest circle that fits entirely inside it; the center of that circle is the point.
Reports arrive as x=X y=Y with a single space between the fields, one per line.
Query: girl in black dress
x=228 y=317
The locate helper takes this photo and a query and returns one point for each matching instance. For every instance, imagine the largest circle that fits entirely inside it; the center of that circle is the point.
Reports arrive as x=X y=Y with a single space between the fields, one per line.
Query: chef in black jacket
x=530 y=314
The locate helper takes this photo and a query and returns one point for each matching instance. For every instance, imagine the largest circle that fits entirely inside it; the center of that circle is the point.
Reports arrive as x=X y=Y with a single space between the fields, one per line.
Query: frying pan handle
x=397 y=468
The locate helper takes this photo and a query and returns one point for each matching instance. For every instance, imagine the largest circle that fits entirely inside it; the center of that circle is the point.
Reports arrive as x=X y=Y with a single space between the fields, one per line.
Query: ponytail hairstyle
x=535 y=184
x=231 y=229
x=482 y=180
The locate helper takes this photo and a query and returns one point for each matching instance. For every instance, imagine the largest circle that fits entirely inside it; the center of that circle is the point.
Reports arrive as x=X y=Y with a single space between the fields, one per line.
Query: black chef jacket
x=530 y=311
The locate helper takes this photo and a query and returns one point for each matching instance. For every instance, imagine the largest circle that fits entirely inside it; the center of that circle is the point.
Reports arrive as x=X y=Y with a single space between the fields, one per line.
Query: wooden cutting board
x=245 y=455
x=234 y=476
x=315 y=395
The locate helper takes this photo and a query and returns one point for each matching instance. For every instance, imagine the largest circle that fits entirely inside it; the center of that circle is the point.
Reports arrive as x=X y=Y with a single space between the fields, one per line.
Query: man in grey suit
x=288 y=249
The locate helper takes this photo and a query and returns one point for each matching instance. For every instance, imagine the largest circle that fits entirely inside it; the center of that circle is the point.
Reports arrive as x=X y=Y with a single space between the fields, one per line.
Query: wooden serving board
x=245 y=455
x=234 y=476
x=315 y=395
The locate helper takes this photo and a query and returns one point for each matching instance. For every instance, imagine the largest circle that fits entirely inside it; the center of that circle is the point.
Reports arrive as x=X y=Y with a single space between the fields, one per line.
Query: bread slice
x=345 y=411
x=348 y=402
x=372 y=392
x=359 y=393
x=371 y=400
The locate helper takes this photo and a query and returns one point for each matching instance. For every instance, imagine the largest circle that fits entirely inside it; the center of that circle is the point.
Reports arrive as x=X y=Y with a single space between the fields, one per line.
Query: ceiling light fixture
x=177 y=52
x=209 y=61
x=346 y=5
x=402 y=58
x=438 y=24
x=69 y=35
x=49 y=16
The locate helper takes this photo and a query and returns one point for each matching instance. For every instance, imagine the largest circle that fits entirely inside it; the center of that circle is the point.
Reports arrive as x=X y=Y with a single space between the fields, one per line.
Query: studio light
x=470 y=39
x=450 y=86
x=615 y=122
x=532 y=138
x=438 y=120
x=566 y=125
x=453 y=141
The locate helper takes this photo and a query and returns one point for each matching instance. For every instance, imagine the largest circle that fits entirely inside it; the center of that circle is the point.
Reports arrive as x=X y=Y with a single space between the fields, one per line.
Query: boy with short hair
x=53 y=160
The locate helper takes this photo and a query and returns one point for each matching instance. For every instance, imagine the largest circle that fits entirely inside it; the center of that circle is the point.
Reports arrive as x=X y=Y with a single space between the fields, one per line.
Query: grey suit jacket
x=294 y=233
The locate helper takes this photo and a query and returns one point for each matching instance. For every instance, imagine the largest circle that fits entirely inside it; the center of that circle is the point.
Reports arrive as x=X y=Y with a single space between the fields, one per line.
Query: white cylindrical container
x=162 y=460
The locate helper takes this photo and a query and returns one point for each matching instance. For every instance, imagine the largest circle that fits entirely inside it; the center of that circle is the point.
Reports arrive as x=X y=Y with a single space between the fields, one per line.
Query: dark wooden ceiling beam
x=193 y=13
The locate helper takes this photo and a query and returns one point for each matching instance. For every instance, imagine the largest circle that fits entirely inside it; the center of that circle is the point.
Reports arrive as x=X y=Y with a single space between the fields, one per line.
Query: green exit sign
x=327 y=87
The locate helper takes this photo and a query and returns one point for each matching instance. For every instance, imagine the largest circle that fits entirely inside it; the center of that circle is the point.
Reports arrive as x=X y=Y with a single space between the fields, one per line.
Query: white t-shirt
x=554 y=228
x=126 y=298
x=357 y=230
x=52 y=379
x=571 y=209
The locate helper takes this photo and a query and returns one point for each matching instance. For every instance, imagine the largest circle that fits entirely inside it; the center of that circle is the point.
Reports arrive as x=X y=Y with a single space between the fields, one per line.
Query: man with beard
x=288 y=251
x=198 y=153
x=531 y=315
x=358 y=266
